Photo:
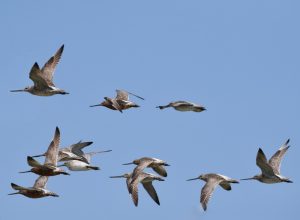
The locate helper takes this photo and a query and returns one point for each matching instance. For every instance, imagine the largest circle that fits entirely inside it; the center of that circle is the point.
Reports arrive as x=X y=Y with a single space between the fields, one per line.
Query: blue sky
x=240 y=59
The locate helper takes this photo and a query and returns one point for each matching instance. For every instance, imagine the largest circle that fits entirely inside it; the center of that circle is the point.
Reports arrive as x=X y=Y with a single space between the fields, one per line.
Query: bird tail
x=162 y=107
x=93 y=168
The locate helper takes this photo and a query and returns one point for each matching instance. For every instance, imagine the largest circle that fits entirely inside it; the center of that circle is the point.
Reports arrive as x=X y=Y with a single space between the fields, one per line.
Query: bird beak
x=18 y=90
x=95 y=105
x=127 y=163
x=54 y=195
x=104 y=151
x=41 y=155
x=116 y=176
x=25 y=171
x=251 y=178
x=193 y=179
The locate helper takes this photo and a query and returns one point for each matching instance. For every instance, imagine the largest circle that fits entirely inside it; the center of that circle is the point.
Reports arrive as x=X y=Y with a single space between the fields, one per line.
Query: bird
x=156 y=164
x=120 y=102
x=146 y=180
x=183 y=106
x=77 y=165
x=43 y=78
x=212 y=180
x=49 y=168
x=70 y=153
x=270 y=170
x=37 y=191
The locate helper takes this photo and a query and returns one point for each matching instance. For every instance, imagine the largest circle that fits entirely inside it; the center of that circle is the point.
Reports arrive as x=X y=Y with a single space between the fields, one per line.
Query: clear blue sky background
x=240 y=59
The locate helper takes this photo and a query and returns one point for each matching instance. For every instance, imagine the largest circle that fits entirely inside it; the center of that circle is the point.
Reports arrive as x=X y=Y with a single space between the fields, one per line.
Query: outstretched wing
x=32 y=162
x=160 y=170
x=52 y=152
x=37 y=77
x=122 y=95
x=77 y=148
x=207 y=191
x=41 y=182
x=49 y=67
x=275 y=160
x=262 y=163
x=151 y=191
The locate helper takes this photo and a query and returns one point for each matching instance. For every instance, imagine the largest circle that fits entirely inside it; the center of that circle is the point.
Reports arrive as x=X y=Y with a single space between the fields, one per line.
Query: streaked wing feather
x=41 y=182
x=207 y=191
x=49 y=67
x=276 y=159
x=77 y=148
x=36 y=76
x=151 y=191
x=262 y=163
x=52 y=152
x=160 y=170
x=122 y=95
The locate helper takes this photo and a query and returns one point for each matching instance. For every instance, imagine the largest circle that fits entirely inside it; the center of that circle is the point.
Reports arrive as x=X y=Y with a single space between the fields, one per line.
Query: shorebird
x=183 y=106
x=76 y=165
x=212 y=180
x=37 y=191
x=120 y=102
x=43 y=78
x=146 y=180
x=49 y=168
x=72 y=152
x=270 y=170
x=156 y=164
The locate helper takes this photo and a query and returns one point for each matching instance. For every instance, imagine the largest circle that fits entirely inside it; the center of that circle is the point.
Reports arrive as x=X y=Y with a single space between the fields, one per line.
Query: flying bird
x=270 y=170
x=183 y=106
x=156 y=164
x=49 y=168
x=43 y=78
x=146 y=180
x=120 y=102
x=73 y=152
x=37 y=191
x=212 y=180
x=76 y=165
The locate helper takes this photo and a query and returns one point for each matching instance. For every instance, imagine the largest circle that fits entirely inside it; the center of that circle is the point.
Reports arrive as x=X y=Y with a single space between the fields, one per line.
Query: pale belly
x=77 y=165
x=270 y=180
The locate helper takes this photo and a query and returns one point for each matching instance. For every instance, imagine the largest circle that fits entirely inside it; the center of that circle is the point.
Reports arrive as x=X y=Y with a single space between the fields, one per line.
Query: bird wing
x=41 y=182
x=275 y=160
x=225 y=185
x=151 y=191
x=52 y=152
x=160 y=170
x=139 y=168
x=262 y=163
x=207 y=191
x=49 y=67
x=133 y=189
x=37 y=77
x=77 y=148
x=128 y=182
x=122 y=95
x=17 y=187
x=32 y=162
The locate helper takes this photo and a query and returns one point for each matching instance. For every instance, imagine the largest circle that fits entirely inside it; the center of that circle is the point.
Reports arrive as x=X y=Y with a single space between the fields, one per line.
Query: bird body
x=43 y=78
x=212 y=180
x=157 y=165
x=183 y=106
x=120 y=102
x=76 y=165
x=270 y=170
x=37 y=191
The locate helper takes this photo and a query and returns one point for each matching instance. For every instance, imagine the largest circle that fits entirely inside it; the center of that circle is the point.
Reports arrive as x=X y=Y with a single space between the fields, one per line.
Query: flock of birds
x=75 y=159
